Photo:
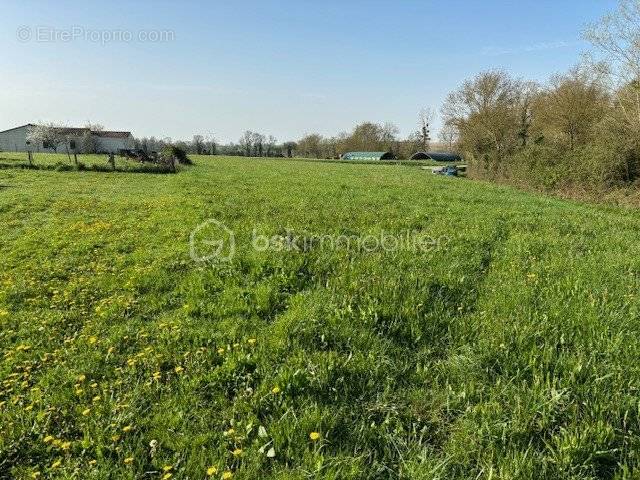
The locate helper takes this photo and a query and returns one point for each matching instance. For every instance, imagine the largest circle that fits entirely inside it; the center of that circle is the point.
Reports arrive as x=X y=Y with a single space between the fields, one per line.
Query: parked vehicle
x=449 y=171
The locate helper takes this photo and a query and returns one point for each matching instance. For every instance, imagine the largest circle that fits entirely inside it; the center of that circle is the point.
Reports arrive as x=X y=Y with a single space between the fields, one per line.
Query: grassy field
x=62 y=161
x=507 y=349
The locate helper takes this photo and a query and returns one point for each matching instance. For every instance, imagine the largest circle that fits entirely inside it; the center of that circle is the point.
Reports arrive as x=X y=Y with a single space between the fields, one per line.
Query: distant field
x=508 y=348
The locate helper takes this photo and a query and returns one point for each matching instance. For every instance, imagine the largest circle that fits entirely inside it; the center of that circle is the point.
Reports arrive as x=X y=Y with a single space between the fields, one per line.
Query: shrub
x=178 y=153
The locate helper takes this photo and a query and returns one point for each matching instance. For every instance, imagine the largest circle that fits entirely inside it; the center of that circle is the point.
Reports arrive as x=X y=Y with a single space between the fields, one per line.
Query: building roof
x=72 y=130
x=112 y=134
x=16 y=128
x=368 y=156
x=437 y=156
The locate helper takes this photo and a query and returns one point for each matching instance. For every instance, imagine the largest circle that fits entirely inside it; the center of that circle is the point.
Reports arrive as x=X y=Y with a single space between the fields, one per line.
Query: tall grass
x=510 y=351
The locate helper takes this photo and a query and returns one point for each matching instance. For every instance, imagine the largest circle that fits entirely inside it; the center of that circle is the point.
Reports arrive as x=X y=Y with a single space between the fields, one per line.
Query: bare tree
x=289 y=147
x=448 y=135
x=198 y=144
x=88 y=143
x=210 y=143
x=246 y=142
x=389 y=136
x=270 y=144
x=617 y=35
x=425 y=119
x=94 y=127
x=257 y=139
x=528 y=94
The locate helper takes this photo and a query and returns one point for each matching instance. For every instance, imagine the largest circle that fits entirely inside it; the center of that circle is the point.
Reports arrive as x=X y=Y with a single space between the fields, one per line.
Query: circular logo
x=212 y=240
x=23 y=34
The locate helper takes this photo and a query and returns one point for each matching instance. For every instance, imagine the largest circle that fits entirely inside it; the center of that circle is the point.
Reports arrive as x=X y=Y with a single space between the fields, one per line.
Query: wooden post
x=30 y=157
x=68 y=154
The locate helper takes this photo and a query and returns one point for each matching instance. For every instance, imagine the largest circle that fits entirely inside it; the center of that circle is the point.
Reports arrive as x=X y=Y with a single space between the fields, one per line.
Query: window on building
x=72 y=144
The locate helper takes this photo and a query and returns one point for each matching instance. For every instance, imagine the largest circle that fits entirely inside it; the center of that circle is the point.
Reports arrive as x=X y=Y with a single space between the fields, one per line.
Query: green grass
x=510 y=351
x=62 y=162
x=51 y=159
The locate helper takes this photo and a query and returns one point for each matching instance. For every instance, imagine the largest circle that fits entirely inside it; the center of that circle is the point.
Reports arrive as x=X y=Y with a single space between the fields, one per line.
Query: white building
x=77 y=140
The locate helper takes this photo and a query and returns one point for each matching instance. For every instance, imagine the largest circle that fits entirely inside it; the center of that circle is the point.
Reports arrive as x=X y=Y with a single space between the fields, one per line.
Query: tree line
x=366 y=136
x=579 y=129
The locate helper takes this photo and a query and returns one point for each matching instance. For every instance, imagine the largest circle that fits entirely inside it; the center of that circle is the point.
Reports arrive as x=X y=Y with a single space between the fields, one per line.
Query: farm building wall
x=113 y=144
x=14 y=140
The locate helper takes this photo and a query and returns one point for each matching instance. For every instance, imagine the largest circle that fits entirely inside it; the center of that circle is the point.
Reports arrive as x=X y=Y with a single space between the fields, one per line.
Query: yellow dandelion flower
x=227 y=475
x=94 y=385
x=314 y=436
x=56 y=464
x=115 y=438
x=275 y=390
x=65 y=446
x=167 y=476
x=231 y=431
x=237 y=452
x=221 y=351
x=252 y=341
x=97 y=398
x=166 y=468
x=156 y=375
x=86 y=411
x=212 y=471
x=82 y=378
x=36 y=474
x=128 y=428
x=179 y=369
x=93 y=340
x=48 y=439
x=128 y=460
x=93 y=462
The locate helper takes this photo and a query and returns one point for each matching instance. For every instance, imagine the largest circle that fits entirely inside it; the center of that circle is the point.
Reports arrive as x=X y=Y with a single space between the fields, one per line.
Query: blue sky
x=283 y=68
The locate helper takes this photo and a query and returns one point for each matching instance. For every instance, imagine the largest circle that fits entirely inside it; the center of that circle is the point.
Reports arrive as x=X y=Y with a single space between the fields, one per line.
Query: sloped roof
x=16 y=128
x=437 y=156
x=72 y=130
x=368 y=156
x=112 y=134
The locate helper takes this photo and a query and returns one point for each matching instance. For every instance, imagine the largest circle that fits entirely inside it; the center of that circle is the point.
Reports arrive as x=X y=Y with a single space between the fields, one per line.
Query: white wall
x=109 y=144
x=15 y=140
